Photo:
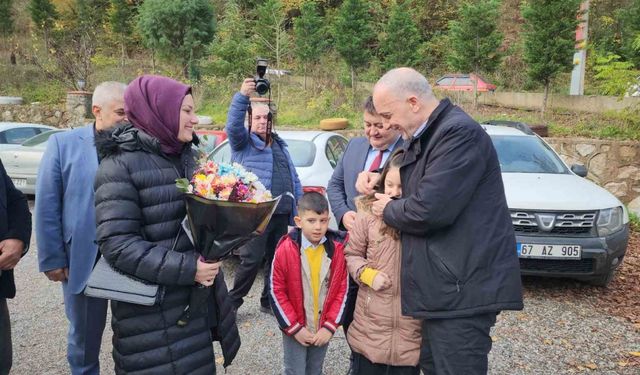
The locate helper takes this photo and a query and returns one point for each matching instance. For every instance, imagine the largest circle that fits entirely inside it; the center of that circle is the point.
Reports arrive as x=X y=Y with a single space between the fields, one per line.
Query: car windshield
x=302 y=152
x=526 y=154
x=39 y=139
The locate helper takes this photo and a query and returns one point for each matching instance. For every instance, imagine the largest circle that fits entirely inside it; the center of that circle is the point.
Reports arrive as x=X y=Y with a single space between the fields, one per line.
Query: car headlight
x=609 y=221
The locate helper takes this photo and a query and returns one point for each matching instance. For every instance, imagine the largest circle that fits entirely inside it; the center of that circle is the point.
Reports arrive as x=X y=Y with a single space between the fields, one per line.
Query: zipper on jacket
x=367 y=300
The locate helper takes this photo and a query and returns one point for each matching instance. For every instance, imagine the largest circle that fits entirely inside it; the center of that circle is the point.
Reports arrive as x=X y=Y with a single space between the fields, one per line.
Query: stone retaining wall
x=35 y=113
x=77 y=111
x=614 y=165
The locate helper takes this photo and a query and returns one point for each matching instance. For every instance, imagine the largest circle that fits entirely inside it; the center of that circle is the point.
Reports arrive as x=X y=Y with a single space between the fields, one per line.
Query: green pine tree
x=232 y=50
x=6 y=18
x=475 y=39
x=178 y=30
x=352 y=34
x=43 y=14
x=630 y=32
x=6 y=24
x=310 y=36
x=122 y=15
x=549 y=39
x=402 y=40
x=271 y=35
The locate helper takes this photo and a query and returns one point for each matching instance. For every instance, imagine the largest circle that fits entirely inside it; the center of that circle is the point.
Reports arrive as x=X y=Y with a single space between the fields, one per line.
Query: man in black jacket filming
x=15 y=233
x=459 y=261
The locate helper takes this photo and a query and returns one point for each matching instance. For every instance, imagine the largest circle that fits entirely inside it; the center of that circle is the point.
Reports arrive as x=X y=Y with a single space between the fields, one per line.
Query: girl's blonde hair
x=364 y=202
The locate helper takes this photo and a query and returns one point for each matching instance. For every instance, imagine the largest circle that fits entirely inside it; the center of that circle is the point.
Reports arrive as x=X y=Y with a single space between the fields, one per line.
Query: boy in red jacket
x=308 y=286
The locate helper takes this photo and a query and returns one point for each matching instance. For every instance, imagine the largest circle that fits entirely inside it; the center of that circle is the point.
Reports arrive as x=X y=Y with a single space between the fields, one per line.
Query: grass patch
x=620 y=125
x=634 y=221
x=31 y=84
x=297 y=107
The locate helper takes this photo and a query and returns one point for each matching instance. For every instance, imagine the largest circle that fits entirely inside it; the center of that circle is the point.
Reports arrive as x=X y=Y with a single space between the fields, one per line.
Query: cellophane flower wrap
x=226 y=182
x=226 y=207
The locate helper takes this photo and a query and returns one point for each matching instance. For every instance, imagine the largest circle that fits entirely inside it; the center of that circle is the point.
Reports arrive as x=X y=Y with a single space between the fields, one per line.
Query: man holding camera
x=264 y=153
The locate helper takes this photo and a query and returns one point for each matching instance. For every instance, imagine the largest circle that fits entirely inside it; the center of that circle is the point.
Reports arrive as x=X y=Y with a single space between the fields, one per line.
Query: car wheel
x=603 y=280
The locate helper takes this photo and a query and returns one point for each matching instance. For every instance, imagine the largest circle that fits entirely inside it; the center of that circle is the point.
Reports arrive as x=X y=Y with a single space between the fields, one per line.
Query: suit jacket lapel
x=398 y=145
x=88 y=148
x=361 y=156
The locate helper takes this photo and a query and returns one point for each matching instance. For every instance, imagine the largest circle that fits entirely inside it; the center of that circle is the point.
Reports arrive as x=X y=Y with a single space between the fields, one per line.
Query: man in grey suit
x=66 y=228
x=368 y=153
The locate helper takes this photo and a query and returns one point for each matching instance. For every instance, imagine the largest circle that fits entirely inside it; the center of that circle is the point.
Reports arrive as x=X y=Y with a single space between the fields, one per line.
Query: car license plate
x=549 y=251
x=19 y=182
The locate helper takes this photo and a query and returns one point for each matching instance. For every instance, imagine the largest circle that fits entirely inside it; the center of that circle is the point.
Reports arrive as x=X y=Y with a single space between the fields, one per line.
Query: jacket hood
x=127 y=138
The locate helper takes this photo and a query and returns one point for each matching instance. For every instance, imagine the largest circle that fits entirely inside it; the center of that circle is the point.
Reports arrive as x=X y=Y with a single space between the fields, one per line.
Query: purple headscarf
x=153 y=104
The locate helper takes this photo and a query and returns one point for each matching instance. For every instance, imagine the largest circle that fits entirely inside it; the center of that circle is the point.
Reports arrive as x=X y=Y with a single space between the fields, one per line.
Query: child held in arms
x=308 y=286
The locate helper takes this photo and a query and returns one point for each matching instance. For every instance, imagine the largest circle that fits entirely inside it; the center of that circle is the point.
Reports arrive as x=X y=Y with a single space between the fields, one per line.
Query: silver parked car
x=314 y=154
x=22 y=161
x=12 y=134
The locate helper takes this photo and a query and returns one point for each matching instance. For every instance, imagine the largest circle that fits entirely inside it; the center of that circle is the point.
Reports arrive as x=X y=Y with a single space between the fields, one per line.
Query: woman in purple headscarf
x=139 y=212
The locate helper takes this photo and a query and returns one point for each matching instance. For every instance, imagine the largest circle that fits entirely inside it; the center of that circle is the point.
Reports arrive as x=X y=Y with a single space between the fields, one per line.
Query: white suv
x=565 y=225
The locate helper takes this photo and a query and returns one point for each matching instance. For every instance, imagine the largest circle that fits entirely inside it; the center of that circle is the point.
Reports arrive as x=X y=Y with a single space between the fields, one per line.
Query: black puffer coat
x=138 y=213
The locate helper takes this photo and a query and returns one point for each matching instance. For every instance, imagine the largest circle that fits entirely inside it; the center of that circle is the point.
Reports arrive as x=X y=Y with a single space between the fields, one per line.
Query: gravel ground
x=550 y=336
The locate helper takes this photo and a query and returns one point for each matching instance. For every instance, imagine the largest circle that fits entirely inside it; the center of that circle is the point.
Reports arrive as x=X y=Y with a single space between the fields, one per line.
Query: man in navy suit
x=368 y=153
x=66 y=228
x=15 y=234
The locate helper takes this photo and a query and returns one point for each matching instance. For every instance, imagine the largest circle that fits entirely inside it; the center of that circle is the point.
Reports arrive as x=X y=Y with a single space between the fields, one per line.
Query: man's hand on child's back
x=304 y=337
x=322 y=337
x=381 y=282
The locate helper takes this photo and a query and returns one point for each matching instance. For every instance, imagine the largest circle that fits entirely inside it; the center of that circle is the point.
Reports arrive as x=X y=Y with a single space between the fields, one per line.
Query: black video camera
x=262 y=84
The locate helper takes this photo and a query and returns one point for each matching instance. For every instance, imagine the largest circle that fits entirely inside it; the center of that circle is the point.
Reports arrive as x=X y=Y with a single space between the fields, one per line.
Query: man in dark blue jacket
x=459 y=261
x=15 y=234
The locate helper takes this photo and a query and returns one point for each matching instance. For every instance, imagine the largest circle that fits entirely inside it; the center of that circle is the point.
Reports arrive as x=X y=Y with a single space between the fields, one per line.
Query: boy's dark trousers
x=5 y=338
x=251 y=256
x=362 y=366
x=456 y=346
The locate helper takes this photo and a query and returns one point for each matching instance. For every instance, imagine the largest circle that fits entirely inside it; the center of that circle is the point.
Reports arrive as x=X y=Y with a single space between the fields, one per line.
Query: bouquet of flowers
x=226 y=207
x=225 y=182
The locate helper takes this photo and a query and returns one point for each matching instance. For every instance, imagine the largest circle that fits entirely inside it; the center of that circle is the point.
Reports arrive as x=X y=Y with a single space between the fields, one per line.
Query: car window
x=464 y=81
x=222 y=154
x=446 y=81
x=40 y=138
x=18 y=135
x=334 y=150
x=343 y=145
x=302 y=152
x=526 y=154
x=207 y=142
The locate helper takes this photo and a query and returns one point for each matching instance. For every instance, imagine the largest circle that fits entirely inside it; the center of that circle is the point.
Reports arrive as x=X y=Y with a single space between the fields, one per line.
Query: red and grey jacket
x=285 y=286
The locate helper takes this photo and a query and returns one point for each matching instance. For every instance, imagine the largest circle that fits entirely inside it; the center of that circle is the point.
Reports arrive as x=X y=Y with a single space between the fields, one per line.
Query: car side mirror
x=579 y=169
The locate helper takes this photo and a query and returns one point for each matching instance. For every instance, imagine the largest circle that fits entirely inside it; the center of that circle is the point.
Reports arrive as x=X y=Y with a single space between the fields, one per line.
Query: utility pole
x=580 y=55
